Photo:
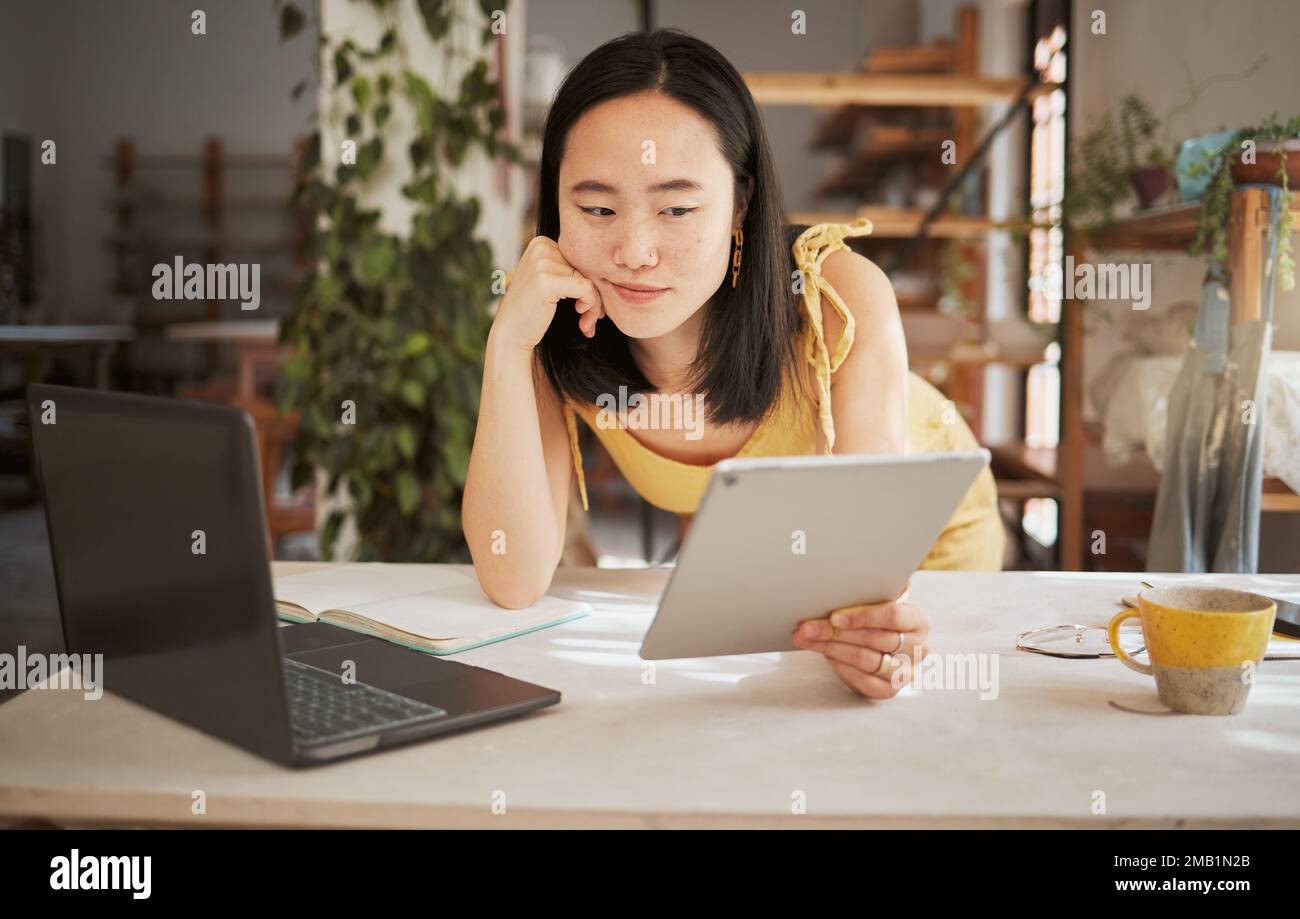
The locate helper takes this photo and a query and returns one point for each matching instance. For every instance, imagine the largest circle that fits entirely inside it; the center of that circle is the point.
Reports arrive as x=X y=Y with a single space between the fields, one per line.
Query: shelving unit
x=903 y=222
x=884 y=89
x=910 y=100
x=1076 y=473
x=215 y=207
x=215 y=223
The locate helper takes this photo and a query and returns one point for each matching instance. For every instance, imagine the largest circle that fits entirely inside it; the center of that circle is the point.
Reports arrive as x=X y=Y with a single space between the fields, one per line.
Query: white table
x=34 y=344
x=257 y=341
x=723 y=741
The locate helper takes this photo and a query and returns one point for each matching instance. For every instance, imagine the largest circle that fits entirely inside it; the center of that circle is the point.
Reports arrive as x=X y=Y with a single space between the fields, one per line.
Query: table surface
x=252 y=331
x=65 y=334
x=731 y=741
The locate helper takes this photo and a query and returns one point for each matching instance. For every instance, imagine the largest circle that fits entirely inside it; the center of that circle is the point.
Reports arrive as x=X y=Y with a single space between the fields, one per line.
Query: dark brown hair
x=749 y=334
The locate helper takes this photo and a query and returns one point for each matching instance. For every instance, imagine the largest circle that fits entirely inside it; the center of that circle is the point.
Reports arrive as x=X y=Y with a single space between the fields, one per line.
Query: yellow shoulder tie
x=571 y=422
x=812 y=248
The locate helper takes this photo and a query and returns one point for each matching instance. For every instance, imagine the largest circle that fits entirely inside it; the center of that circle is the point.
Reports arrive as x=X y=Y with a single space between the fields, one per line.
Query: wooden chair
x=296 y=514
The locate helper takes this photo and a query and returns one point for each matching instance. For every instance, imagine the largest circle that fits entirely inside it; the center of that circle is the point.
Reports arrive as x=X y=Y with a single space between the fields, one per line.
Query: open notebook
x=429 y=608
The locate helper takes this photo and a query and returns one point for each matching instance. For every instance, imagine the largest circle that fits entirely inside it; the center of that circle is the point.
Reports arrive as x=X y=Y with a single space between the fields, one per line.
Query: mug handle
x=1112 y=631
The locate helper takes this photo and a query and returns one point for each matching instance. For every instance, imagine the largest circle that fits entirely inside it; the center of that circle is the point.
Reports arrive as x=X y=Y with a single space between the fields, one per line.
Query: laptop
x=158 y=535
x=781 y=539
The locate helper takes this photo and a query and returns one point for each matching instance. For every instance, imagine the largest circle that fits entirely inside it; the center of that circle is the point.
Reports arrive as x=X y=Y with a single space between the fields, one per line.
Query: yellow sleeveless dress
x=973 y=538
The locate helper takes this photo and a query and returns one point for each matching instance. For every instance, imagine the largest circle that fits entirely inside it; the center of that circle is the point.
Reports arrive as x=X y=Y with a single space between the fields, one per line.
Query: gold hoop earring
x=735 y=255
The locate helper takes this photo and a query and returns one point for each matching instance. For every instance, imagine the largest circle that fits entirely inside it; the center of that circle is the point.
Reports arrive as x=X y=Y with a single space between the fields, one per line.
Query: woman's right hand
x=542 y=278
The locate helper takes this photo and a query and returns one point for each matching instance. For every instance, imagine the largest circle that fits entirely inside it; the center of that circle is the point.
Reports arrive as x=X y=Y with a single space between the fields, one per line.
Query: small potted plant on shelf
x=1148 y=164
x=1117 y=157
x=1256 y=154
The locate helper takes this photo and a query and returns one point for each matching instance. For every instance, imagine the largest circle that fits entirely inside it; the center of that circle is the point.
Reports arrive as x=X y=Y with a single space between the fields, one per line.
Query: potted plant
x=1229 y=166
x=1147 y=163
x=1117 y=157
x=388 y=329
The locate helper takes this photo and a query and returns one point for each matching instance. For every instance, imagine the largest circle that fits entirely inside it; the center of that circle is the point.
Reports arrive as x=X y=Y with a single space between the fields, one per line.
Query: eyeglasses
x=1092 y=641
x=1079 y=641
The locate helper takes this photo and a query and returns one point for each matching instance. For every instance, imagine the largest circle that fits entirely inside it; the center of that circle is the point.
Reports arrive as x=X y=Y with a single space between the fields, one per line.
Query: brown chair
x=296 y=514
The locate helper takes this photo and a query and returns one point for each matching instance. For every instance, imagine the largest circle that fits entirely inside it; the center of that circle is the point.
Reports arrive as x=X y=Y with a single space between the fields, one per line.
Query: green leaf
x=332 y=249
x=361 y=92
x=291 y=20
x=413 y=393
x=328 y=289
x=408 y=492
x=377 y=259
x=405 y=438
x=381 y=114
x=417 y=343
x=360 y=489
x=310 y=154
x=330 y=532
x=423 y=100
x=297 y=367
x=436 y=21
x=342 y=66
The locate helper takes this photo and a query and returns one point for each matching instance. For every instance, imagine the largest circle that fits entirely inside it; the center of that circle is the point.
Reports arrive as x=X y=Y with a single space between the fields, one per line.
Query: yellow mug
x=1205 y=644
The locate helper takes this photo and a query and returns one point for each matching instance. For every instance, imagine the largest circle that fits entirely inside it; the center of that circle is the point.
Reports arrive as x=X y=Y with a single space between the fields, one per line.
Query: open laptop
x=128 y=482
x=781 y=539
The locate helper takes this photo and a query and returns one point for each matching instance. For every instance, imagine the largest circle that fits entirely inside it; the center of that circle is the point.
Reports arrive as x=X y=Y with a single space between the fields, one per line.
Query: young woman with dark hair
x=659 y=210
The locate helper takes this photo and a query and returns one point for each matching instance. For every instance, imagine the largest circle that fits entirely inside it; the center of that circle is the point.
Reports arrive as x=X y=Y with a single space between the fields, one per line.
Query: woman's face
x=646 y=199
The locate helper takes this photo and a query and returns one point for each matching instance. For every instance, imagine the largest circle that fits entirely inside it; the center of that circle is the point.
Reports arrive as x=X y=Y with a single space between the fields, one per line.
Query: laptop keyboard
x=323 y=707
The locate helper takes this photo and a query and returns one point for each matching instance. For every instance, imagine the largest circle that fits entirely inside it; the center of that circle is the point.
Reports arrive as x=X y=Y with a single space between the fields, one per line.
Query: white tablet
x=778 y=540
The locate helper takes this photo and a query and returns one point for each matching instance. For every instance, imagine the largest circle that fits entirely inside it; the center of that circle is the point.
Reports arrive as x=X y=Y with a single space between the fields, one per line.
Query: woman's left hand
x=866 y=643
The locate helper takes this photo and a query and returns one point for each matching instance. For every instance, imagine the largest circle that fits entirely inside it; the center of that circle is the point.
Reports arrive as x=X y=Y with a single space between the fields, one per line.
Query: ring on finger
x=886 y=664
x=899 y=647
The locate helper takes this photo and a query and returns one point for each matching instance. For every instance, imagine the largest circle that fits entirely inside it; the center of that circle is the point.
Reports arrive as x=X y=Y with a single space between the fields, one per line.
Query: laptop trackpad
x=368 y=660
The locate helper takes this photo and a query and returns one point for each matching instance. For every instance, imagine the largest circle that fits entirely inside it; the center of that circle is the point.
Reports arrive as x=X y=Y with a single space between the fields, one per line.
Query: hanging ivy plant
x=388 y=331
x=1212 y=223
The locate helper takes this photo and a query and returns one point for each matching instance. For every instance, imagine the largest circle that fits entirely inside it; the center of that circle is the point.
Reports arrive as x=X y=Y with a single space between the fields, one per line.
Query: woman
x=660 y=221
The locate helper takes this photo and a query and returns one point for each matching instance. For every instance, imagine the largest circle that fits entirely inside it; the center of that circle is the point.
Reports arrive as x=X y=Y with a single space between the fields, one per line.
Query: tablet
x=781 y=539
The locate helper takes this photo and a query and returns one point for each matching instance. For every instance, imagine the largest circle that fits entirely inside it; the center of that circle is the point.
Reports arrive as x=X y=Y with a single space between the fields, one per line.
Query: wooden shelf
x=901 y=222
x=939 y=89
x=1276 y=496
x=223 y=243
x=917 y=301
x=272 y=286
x=198 y=160
x=871 y=162
x=973 y=353
x=1171 y=227
x=940 y=57
x=196 y=205
x=1138 y=476
x=262 y=331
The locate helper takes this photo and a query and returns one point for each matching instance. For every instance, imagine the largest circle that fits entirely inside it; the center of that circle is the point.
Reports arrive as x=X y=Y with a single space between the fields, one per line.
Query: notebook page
x=346 y=586
x=460 y=612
